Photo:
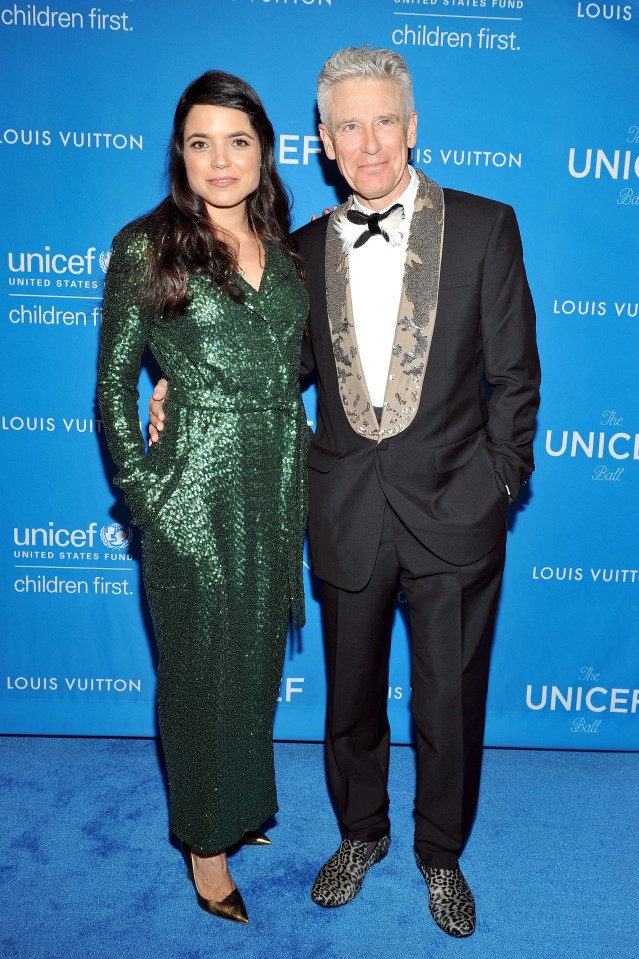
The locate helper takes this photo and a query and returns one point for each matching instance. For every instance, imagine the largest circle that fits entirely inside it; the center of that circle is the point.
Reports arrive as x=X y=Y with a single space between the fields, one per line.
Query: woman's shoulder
x=131 y=247
x=129 y=257
x=132 y=240
x=141 y=234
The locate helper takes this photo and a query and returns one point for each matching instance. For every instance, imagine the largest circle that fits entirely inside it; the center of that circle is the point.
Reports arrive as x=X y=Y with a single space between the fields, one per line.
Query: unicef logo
x=105 y=259
x=115 y=536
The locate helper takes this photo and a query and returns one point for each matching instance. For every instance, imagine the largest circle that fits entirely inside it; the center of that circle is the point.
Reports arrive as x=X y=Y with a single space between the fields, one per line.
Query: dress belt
x=203 y=399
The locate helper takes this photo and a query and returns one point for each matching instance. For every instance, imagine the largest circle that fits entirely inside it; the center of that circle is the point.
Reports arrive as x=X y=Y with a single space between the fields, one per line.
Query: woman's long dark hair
x=181 y=241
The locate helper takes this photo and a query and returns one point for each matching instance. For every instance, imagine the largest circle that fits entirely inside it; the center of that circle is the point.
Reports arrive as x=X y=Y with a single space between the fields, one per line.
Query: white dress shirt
x=376 y=275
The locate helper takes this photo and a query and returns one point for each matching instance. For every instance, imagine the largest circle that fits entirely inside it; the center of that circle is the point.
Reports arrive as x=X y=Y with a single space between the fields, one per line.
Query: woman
x=210 y=281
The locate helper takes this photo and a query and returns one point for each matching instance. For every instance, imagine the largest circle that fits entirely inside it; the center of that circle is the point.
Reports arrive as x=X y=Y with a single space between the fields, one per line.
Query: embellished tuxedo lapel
x=415 y=320
x=350 y=375
x=417 y=310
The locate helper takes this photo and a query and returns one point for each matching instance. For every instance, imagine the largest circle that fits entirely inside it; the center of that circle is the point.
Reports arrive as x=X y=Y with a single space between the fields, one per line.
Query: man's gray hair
x=365 y=63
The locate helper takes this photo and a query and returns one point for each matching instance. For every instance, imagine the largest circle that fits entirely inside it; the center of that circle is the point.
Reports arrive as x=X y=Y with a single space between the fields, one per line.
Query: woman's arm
x=123 y=338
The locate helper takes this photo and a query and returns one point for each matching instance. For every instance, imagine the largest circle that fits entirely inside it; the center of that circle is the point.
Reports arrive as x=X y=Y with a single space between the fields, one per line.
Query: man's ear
x=411 y=130
x=327 y=141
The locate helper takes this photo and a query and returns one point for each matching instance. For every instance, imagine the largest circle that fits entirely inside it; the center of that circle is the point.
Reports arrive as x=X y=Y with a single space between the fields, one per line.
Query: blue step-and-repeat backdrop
x=533 y=102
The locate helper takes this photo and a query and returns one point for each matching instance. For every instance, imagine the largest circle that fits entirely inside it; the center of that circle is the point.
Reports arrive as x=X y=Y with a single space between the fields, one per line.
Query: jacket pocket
x=451 y=281
x=457 y=454
x=320 y=458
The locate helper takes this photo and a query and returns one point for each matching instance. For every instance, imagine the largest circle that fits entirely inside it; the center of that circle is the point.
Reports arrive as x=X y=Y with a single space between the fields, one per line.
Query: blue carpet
x=87 y=869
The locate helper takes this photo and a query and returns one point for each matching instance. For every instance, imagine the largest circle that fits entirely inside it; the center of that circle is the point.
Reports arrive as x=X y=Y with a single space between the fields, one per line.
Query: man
x=422 y=331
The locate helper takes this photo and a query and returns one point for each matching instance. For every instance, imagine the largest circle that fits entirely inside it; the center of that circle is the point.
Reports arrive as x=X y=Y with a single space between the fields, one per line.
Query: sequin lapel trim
x=277 y=269
x=415 y=320
x=350 y=375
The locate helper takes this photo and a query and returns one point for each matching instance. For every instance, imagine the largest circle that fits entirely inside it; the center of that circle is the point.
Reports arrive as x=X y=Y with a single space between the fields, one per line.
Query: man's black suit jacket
x=449 y=475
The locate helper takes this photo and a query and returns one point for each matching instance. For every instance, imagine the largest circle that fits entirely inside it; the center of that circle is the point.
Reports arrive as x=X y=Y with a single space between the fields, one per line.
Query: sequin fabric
x=415 y=319
x=221 y=502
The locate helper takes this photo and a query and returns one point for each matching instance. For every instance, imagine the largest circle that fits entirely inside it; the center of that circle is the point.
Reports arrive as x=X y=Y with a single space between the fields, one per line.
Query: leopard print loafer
x=450 y=900
x=340 y=879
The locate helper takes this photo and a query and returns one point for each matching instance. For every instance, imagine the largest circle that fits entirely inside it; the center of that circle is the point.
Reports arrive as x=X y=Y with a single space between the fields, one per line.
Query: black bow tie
x=372 y=223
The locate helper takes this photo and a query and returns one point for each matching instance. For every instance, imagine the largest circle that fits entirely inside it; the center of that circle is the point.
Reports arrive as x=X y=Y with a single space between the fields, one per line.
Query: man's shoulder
x=310 y=240
x=473 y=203
x=312 y=232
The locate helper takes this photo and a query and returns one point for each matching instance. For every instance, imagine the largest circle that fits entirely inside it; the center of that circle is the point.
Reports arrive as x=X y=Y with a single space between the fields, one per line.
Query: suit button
x=383 y=446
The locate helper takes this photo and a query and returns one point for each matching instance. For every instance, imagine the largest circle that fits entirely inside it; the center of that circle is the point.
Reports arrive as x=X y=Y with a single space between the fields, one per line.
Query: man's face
x=369 y=137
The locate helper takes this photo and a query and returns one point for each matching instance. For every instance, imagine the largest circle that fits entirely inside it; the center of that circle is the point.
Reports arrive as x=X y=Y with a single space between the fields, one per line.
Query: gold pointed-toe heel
x=255 y=838
x=231 y=907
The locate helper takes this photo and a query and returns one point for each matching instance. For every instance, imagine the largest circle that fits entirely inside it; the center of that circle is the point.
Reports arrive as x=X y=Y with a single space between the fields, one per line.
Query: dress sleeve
x=123 y=337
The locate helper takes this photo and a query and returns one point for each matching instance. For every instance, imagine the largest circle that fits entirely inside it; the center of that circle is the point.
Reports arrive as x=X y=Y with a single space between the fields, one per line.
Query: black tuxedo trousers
x=452 y=613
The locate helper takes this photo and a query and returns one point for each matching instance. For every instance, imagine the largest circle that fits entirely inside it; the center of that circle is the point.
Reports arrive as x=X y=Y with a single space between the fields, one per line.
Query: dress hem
x=206 y=850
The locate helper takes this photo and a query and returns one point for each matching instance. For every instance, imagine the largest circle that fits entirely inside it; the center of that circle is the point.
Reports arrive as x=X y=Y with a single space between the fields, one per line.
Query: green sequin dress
x=222 y=507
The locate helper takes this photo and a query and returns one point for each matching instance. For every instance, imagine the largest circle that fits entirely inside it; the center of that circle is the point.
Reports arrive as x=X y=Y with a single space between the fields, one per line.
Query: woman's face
x=222 y=157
